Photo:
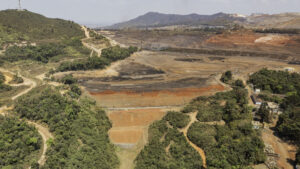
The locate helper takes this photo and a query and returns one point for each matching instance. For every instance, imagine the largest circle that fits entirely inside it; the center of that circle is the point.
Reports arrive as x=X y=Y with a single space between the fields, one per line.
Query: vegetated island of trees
x=19 y=143
x=233 y=145
x=167 y=147
x=80 y=129
x=108 y=56
x=282 y=82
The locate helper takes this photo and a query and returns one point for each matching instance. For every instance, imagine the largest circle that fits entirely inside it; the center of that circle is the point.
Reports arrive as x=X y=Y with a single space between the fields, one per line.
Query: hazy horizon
x=107 y=12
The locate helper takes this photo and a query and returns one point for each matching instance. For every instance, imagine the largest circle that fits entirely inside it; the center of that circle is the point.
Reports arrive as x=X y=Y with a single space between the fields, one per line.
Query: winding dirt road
x=43 y=131
x=46 y=135
x=87 y=45
x=185 y=130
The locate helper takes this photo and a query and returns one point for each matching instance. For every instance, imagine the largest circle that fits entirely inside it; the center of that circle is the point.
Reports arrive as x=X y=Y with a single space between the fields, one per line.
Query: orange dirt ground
x=137 y=117
x=253 y=39
x=126 y=136
x=130 y=126
x=156 y=98
x=234 y=38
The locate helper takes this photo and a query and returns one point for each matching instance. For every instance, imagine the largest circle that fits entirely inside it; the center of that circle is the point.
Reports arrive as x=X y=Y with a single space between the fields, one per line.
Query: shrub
x=226 y=77
x=19 y=143
x=177 y=119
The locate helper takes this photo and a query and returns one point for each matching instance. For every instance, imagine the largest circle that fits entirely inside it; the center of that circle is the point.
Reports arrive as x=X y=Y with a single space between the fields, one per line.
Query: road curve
x=185 y=130
x=43 y=131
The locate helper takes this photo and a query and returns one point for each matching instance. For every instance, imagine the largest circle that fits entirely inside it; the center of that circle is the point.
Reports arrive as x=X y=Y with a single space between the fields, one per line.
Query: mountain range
x=155 y=19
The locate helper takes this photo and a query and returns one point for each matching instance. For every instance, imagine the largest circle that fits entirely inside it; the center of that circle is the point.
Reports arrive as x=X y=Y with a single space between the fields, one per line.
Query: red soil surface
x=137 y=117
x=154 y=98
x=241 y=38
x=253 y=39
x=131 y=136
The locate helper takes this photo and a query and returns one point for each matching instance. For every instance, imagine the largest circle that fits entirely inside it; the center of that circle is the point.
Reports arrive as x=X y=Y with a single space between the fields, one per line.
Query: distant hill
x=24 y=25
x=154 y=19
x=284 y=20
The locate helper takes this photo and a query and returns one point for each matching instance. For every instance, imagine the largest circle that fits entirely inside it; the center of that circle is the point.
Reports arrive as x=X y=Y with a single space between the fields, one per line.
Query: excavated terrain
x=140 y=89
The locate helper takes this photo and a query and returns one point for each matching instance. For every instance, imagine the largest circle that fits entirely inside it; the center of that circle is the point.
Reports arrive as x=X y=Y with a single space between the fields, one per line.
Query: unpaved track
x=43 y=131
x=27 y=82
x=91 y=47
x=185 y=130
x=285 y=151
x=86 y=32
x=46 y=135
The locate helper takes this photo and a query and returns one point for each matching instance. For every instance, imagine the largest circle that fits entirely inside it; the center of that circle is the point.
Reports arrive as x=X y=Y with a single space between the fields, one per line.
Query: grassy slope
x=24 y=25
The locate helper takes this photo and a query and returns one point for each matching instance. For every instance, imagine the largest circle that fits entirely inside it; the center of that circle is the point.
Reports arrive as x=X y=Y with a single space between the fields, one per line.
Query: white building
x=257 y=91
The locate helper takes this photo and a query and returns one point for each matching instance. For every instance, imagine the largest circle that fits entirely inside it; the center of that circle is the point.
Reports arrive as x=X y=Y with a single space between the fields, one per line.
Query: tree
x=265 y=113
x=69 y=79
x=239 y=83
x=227 y=76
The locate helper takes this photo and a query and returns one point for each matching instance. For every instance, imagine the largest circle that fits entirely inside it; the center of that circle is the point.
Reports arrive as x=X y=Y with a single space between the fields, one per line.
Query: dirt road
x=27 y=82
x=86 y=32
x=185 y=130
x=89 y=46
x=285 y=151
x=43 y=131
x=46 y=135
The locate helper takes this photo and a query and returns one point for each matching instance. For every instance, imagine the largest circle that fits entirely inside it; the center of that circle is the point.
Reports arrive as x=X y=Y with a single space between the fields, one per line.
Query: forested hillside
x=25 y=25
x=79 y=127
x=19 y=143
x=286 y=83
x=167 y=147
x=233 y=145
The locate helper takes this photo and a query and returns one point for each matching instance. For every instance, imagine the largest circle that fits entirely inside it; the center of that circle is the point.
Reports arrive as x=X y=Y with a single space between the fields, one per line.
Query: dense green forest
x=234 y=145
x=288 y=124
x=108 y=56
x=279 y=82
x=19 y=143
x=167 y=147
x=79 y=127
x=18 y=26
x=45 y=52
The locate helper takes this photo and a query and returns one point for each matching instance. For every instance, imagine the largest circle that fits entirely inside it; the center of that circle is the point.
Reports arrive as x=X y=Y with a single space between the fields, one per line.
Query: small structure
x=256 y=100
x=257 y=91
x=289 y=69
x=274 y=107
x=256 y=125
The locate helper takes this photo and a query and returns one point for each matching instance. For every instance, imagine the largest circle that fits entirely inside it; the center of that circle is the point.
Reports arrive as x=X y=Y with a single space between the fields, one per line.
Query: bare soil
x=137 y=117
x=125 y=136
x=286 y=151
x=150 y=80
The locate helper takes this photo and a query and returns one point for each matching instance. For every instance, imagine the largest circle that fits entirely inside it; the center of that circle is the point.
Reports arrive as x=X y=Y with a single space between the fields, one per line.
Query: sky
x=106 y=12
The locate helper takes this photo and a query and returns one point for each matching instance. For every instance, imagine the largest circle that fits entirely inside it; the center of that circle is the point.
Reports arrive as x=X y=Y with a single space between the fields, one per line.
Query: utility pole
x=20 y=8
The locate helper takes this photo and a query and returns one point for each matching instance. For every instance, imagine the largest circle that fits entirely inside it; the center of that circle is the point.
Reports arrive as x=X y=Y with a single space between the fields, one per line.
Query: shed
x=256 y=100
